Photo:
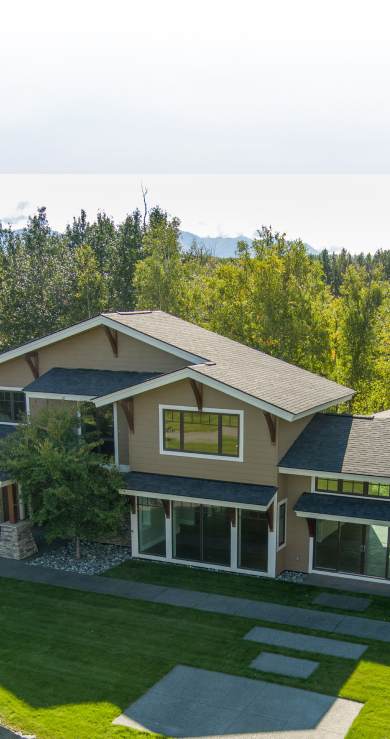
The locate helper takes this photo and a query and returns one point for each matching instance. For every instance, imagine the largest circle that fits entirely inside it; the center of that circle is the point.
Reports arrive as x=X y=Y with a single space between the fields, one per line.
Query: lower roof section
x=209 y=491
x=342 y=507
x=86 y=382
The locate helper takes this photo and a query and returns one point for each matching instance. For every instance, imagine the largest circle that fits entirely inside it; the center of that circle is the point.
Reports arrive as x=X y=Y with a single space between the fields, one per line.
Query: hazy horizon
x=325 y=211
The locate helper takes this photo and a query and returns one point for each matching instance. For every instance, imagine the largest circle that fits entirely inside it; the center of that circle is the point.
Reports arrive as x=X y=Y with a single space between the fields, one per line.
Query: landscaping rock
x=95 y=558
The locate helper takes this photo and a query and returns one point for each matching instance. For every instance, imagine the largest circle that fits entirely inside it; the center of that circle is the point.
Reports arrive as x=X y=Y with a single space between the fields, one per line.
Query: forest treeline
x=329 y=314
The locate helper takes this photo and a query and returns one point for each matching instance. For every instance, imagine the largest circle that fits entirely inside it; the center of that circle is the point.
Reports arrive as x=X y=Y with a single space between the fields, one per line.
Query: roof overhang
x=97 y=321
x=58 y=396
x=192 y=373
x=323 y=506
x=201 y=501
x=336 y=475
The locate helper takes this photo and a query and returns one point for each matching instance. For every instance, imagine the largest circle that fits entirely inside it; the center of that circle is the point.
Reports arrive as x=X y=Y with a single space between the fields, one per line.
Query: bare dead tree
x=144 y=196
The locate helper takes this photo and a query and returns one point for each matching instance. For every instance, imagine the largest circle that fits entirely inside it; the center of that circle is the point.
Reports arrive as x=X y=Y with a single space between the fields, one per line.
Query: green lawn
x=71 y=661
x=244 y=586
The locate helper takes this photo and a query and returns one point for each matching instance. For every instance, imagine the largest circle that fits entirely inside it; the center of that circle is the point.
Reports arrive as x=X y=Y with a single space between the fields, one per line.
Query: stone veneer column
x=16 y=540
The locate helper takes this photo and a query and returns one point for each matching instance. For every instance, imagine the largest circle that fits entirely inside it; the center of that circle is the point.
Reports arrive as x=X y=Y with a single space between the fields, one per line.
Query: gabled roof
x=284 y=389
x=354 y=445
x=85 y=382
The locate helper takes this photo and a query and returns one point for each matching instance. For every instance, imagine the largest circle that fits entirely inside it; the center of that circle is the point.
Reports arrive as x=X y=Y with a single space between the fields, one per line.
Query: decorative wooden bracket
x=132 y=500
x=271 y=423
x=127 y=406
x=197 y=389
x=112 y=336
x=32 y=360
x=311 y=525
x=232 y=516
x=167 y=508
x=270 y=517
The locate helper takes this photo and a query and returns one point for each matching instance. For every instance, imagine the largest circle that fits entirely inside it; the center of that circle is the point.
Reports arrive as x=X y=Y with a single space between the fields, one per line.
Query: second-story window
x=353 y=487
x=12 y=406
x=208 y=433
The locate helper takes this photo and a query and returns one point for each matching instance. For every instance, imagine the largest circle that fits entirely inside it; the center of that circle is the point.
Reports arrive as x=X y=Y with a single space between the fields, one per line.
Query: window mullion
x=219 y=433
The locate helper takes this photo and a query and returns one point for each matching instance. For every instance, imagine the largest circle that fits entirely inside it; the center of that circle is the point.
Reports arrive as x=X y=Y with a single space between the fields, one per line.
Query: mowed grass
x=239 y=586
x=70 y=661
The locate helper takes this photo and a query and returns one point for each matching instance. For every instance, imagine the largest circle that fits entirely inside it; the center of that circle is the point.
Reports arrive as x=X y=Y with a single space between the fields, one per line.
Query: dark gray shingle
x=355 y=445
x=231 y=492
x=341 y=505
x=90 y=382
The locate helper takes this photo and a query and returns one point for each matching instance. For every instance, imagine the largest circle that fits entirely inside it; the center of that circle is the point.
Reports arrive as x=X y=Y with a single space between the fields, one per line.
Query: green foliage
x=327 y=313
x=63 y=480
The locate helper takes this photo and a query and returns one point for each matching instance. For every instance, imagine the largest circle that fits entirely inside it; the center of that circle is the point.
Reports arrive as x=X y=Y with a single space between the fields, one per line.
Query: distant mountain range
x=222 y=246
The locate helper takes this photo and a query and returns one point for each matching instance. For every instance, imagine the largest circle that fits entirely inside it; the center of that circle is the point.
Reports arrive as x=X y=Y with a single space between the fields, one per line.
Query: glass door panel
x=253 y=541
x=216 y=535
x=376 y=551
x=351 y=548
x=186 y=532
x=151 y=527
x=326 y=545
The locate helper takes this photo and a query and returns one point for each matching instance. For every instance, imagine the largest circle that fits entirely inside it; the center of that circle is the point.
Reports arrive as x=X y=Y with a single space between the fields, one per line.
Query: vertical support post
x=116 y=434
x=234 y=526
x=169 y=531
x=12 y=504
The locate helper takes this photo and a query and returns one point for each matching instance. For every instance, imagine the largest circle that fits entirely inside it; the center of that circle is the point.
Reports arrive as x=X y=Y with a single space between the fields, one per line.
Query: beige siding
x=259 y=465
x=91 y=350
x=288 y=432
x=295 y=556
x=39 y=404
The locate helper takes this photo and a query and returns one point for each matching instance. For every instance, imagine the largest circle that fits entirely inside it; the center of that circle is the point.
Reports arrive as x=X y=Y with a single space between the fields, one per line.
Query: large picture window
x=206 y=432
x=99 y=425
x=201 y=533
x=357 y=549
x=12 y=406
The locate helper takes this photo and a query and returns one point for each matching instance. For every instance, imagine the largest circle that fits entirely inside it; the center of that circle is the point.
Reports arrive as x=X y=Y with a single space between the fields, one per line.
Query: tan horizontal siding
x=91 y=350
x=295 y=556
x=259 y=465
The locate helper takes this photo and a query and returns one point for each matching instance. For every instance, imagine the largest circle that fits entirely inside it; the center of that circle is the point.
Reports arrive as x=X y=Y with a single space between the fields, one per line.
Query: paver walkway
x=306 y=642
x=193 y=702
x=279 y=664
x=278 y=614
x=345 y=602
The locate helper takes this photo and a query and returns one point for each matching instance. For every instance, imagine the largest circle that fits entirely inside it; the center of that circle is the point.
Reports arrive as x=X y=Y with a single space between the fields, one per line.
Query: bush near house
x=67 y=486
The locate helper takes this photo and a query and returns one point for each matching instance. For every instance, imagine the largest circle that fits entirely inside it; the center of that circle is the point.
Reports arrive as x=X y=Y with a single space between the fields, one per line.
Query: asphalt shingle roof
x=230 y=492
x=266 y=378
x=355 y=445
x=321 y=504
x=66 y=381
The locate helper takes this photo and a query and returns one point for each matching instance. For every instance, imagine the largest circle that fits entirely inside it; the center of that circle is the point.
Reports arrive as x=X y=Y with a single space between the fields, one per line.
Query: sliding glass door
x=350 y=548
x=201 y=533
x=253 y=540
x=151 y=527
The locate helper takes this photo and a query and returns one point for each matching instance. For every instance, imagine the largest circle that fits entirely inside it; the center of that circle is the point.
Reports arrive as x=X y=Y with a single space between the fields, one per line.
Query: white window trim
x=333 y=475
x=233 y=568
x=7 y=389
x=281 y=503
x=199 y=455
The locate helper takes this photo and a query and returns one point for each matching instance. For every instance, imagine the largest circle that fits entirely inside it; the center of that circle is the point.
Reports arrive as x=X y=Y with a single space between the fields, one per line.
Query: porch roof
x=85 y=382
x=343 y=507
x=171 y=486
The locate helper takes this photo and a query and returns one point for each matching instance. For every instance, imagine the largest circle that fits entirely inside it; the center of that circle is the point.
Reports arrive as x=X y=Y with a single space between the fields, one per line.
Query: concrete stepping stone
x=190 y=702
x=306 y=643
x=347 y=602
x=282 y=665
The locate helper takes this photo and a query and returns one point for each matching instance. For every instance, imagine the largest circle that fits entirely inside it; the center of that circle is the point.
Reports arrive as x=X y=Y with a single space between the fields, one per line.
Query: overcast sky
x=152 y=88
x=212 y=86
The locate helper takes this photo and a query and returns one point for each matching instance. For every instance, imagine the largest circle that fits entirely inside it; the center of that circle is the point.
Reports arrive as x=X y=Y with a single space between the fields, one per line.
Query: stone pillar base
x=16 y=540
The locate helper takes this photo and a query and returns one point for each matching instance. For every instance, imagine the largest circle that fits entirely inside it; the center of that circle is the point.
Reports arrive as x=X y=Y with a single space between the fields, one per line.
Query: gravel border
x=95 y=558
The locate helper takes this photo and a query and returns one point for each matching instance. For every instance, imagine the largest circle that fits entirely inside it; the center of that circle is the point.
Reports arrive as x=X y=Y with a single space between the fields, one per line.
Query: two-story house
x=228 y=456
